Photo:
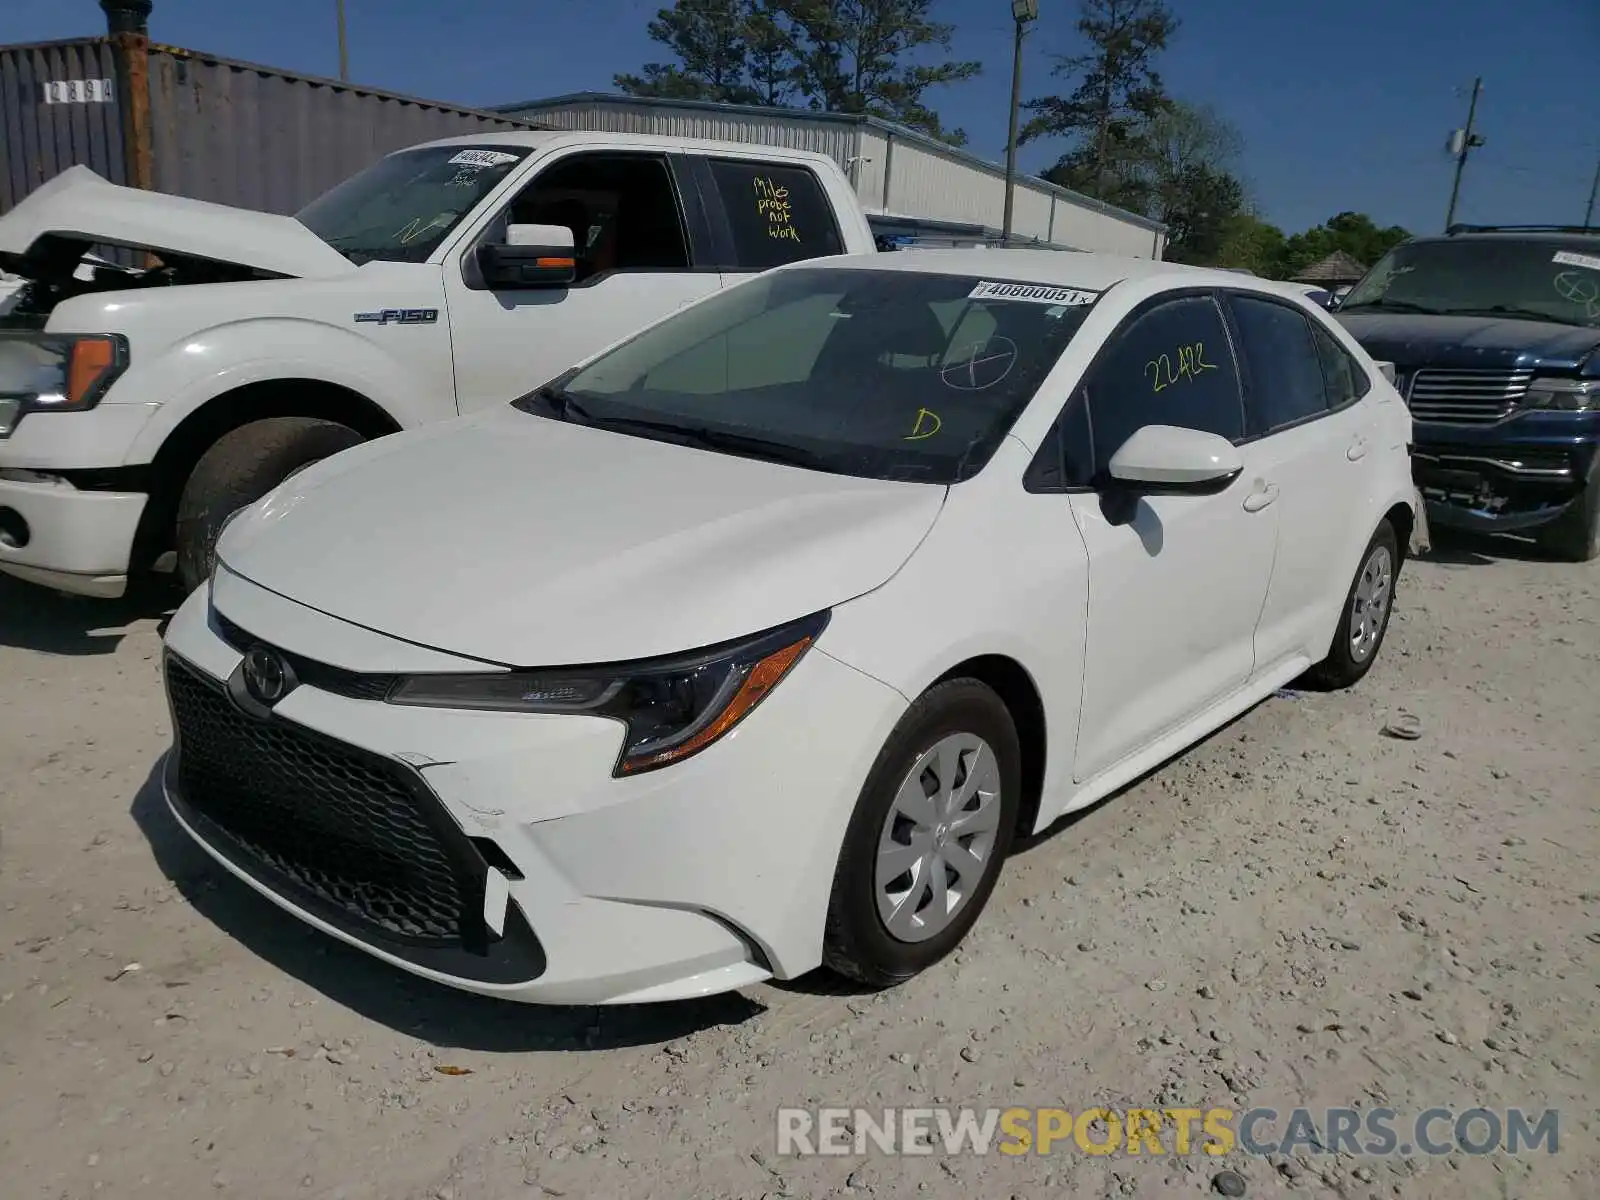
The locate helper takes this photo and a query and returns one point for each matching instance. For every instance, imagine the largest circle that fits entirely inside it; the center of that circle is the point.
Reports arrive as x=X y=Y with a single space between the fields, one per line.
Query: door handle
x=1358 y=448
x=1260 y=496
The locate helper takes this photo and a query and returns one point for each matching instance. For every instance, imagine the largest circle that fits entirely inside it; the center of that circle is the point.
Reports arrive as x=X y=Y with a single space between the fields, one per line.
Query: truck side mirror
x=532 y=256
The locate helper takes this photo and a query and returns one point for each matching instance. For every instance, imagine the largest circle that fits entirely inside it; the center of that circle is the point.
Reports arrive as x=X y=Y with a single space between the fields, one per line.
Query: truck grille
x=374 y=852
x=1466 y=397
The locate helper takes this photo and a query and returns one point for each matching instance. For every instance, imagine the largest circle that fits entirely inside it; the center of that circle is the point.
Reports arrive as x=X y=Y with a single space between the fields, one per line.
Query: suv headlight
x=47 y=372
x=672 y=708
x=1572 y=395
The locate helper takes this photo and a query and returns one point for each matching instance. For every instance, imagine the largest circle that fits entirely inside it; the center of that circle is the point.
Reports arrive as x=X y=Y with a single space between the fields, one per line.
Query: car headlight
x=1571 y=395
x=45 y=372
x=672 y=708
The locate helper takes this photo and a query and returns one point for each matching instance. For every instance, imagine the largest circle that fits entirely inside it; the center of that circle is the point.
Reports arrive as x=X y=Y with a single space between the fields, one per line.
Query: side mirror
x=532 y=256
x=1171 y=459
x=1334 y=302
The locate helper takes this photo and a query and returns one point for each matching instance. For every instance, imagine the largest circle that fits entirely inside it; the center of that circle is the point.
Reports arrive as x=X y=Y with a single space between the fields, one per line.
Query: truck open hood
x=79 y=205
x=518 y=539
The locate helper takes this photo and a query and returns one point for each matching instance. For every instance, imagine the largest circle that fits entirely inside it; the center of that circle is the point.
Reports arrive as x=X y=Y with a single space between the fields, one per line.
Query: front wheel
x=1365 y=618
x=242 y=466
x=924 y=846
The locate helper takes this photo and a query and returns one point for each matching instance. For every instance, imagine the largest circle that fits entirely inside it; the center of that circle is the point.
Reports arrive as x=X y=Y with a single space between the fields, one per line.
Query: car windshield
x=886 y=374
x=402 y=206
x=1541 y=279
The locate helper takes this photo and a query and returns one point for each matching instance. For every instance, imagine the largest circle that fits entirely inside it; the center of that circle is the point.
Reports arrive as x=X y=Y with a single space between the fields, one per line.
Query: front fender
x=224 y=358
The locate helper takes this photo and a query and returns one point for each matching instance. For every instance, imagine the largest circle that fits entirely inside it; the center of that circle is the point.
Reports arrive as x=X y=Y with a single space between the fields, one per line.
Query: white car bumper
x=52 y=532
x=707 y=875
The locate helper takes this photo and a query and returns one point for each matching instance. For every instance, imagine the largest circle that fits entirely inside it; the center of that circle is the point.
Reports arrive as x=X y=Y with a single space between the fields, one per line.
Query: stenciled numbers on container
x=79 y=91
x=772 y=202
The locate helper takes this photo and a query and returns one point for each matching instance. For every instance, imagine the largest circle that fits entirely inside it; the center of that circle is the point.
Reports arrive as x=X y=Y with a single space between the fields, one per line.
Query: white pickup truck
x=140 y=407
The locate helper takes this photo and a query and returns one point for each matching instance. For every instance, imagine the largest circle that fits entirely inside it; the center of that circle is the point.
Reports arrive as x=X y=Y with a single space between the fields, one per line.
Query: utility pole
x=344 y=51
x=1594 y=188
x=1022 y=12
x=1462 y=143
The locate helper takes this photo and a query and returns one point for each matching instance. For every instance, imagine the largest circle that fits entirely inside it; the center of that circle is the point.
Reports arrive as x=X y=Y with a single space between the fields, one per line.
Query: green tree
x=1252 y=244
x=1118 y=94
x=1354 y=233
x=847 y=56
x=709 y=38
x=1190 y=158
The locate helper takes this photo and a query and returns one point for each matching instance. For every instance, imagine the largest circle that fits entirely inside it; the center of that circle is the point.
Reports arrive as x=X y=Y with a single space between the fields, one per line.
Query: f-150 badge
x=399 y=316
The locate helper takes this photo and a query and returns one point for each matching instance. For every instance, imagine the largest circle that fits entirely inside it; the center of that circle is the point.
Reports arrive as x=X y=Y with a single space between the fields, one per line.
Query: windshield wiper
x=1509 y=310
x=1391 y=306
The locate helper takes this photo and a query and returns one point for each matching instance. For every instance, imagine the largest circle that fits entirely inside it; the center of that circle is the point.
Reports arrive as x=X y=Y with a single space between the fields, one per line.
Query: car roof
x=1058 y=268
x=548 y=139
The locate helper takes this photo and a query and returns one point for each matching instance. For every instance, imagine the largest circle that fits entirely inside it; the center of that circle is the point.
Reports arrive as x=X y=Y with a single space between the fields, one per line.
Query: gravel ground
x=1300 y=911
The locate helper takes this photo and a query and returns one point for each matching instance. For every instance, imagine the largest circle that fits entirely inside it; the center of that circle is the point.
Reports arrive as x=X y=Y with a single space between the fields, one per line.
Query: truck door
x=765 y=214
x=643 y=251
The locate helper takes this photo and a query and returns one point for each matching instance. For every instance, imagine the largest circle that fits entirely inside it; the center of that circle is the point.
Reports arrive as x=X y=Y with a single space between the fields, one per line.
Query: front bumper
x=1518 y=475
x=57 y=535
x=576 y=887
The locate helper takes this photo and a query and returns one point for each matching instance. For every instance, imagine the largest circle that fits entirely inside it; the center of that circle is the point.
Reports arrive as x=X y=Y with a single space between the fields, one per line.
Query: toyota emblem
x=266 y=675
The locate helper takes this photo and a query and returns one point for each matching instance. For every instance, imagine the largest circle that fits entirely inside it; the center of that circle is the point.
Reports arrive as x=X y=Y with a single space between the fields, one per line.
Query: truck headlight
x=672 y=707
x=1571 y=395
x=47 y=372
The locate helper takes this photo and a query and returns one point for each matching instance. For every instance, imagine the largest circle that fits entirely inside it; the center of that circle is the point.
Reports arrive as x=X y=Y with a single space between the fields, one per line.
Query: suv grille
x=1466 y=397
x=352 y=830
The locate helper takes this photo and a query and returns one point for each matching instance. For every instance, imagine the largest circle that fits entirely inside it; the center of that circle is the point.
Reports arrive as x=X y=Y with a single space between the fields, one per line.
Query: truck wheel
x=1575 y=534
x=241 y=467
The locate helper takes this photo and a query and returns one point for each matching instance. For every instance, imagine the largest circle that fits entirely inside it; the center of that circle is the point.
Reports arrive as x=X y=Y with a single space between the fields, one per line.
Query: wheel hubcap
x=938 y=840
x=1370 y=603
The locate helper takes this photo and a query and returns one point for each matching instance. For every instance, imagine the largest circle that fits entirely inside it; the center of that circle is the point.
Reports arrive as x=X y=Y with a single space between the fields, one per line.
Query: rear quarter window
x=777 y=214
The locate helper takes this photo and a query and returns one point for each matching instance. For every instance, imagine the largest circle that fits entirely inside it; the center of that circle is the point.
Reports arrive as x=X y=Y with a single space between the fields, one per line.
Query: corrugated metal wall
x=894 y=171
x=231 y=132
x=47 y=125
x=240 y=134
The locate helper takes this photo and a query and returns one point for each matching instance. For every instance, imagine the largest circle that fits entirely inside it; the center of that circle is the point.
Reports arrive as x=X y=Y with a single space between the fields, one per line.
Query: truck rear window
x=779 y=214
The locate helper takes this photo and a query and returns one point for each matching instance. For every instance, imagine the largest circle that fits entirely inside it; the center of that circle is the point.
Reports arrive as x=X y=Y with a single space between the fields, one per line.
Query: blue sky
x=1342 y=106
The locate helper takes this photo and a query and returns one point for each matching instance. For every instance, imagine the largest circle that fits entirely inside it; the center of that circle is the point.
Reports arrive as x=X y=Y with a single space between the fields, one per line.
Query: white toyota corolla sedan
x=751 y=643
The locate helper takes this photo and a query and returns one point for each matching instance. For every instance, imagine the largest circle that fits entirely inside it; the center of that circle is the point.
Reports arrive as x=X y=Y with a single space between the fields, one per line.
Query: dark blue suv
x=1494 y=333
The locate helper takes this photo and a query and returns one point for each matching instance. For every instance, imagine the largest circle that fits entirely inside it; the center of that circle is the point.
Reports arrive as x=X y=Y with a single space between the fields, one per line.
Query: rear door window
x=777 y=214
x=1346 y=382
x=1285 y=372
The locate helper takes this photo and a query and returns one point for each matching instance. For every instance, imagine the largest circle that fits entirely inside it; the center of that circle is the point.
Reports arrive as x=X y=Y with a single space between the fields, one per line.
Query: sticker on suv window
x=482 y=158
x=1033 y=293
x=1588 y=261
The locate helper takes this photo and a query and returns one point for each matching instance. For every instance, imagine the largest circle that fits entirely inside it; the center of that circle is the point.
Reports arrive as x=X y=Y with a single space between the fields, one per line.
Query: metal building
x=914 y=186
x=198 y=125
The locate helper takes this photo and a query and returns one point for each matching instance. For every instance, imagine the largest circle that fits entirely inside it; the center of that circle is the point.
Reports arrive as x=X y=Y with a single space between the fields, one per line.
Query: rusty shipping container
x=199 y=125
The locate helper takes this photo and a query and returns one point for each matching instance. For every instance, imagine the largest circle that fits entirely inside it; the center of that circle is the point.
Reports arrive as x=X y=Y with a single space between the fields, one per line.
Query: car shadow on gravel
x=49 y=622
x=1457 y=548
x=388 y=995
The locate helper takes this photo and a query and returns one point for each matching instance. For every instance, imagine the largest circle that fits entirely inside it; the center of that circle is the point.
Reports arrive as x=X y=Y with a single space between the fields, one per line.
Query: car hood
x=78 y=204
x=526 y=541
x=1417 y=340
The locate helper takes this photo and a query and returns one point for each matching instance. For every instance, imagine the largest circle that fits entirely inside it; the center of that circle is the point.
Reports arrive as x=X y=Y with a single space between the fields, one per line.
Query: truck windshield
x=1546 y=279
x=403 y=206
x=886 y=374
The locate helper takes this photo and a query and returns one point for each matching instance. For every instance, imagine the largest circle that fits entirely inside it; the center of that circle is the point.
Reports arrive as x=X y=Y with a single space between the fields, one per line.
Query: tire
x=241 y=467
x=860 y=943
x=1349 y=659
x=1574 y=536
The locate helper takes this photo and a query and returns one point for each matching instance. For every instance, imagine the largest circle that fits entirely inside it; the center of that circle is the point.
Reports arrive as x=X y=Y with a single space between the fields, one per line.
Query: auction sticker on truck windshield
x=1033 y=293
x=482 y=158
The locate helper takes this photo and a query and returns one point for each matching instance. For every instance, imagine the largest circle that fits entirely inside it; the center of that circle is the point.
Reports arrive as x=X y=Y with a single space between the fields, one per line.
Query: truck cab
x=1494 y=332
x=210 y=352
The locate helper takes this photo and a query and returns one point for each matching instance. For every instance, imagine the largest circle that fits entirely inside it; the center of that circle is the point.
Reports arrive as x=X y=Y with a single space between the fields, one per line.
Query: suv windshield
x=1548 y=279
x=402 y=206
x=886 y=374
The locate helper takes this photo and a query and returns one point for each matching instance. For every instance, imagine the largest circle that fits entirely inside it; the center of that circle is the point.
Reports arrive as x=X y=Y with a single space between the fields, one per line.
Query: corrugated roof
x=902 y=132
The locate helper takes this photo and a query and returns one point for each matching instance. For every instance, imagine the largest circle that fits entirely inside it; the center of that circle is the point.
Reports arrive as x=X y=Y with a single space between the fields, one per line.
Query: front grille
x=354 y=685
x=351 y=829
x=1466 y=397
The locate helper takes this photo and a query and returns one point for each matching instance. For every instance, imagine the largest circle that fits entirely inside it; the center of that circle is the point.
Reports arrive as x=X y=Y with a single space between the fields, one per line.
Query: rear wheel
x=1365 y=618
x=1575 y=534
x=928 y=836
x=242 y=466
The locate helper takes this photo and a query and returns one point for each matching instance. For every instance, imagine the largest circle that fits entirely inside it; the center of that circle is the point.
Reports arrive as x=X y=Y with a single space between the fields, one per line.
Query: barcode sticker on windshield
x=1587 y=261
x=482 y=158
x=1033 y=293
